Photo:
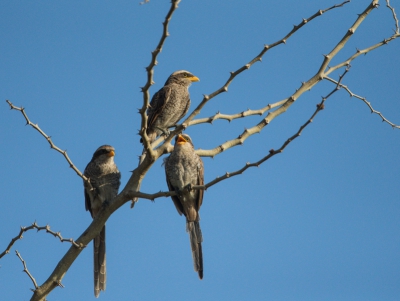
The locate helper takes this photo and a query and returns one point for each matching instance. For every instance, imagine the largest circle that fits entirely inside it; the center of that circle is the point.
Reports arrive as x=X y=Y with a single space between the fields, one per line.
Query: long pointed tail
x=196 y=238
x=99 y=255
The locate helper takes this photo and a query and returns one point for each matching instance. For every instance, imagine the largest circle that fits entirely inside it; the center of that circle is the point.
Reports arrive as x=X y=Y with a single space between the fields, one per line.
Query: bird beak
x=194 y=79
x=111 y=154
x=181 y=140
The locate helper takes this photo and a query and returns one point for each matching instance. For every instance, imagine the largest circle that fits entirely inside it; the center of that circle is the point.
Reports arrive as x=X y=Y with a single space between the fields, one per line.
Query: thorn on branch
x=59 y=284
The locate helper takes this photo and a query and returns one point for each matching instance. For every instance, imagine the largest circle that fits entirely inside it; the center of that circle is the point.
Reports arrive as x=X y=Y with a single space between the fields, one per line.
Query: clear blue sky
x=318 y=222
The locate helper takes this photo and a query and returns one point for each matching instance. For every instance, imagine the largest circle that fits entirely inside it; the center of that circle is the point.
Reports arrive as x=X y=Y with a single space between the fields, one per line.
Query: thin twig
x=150 y=81
x=243 y=114
x=396 y=21
x=38 y=228
x=384 y=119
x=371 y=48
x=26 y=270
x=48 y=138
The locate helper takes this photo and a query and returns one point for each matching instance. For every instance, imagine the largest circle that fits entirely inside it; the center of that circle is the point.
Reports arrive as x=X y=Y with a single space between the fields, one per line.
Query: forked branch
x=38 y=228
x=26 y=270
x=48 y=138
x=373 y=111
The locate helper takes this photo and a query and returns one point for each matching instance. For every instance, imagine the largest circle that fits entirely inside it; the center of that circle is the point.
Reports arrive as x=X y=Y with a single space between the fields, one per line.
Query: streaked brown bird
x=170 y=103
x=168 y=106
x=183 y=169
x=104 y=178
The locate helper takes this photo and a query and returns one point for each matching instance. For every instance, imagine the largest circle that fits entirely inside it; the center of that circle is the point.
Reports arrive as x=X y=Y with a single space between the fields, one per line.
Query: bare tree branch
x=394 y=15
x=384 y=119
x=272 y=152
x=373 y=47
x=243 y=114
x=218 y=115
x=38 y=228
x=258 y=58
x=35 y=226
x=303 y=88
x=48 y=138
x=150 y=81
x=26 y=270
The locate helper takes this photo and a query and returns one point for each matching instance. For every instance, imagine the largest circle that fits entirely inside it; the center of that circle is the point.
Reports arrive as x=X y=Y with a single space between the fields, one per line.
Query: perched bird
x=104 y=178
x=168 y=106
x=183 y=169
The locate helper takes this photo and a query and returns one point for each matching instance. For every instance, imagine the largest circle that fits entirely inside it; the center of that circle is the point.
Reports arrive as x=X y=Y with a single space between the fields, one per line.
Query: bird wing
x=186 y=109
x=113 y=179
x=200 y=181
x=89 y=170
x=157 y=104
x=175 y=198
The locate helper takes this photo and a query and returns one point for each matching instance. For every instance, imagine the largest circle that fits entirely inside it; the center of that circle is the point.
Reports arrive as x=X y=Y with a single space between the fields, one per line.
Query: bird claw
x=188 y=187
x=165 y=132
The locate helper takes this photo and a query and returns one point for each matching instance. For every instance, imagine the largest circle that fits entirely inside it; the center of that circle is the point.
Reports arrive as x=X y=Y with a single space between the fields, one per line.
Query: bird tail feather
x=196 y=238
x=99 y=255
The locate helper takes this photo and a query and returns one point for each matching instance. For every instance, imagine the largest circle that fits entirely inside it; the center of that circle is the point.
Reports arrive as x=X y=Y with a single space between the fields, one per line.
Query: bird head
x=104 y=153
x=182 y=139
x=182 y=76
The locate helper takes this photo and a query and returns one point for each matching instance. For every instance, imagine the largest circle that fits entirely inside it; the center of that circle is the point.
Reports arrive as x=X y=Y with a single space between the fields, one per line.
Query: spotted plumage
x=170 y=103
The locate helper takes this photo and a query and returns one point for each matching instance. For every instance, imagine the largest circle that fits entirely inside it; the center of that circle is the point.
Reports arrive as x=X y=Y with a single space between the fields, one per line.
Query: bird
x=167 y=107
x=170 y=103
x=183 y=169
x=104 y=178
